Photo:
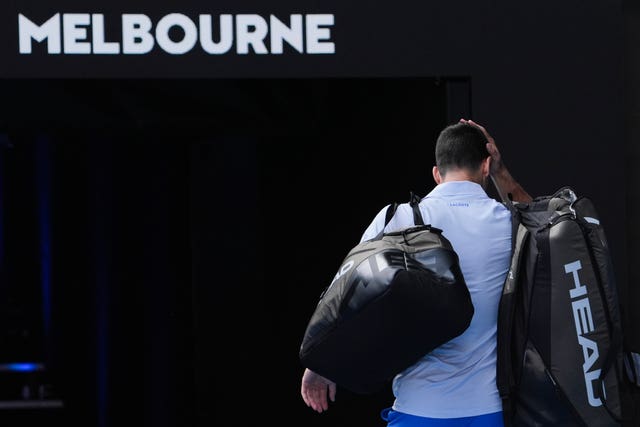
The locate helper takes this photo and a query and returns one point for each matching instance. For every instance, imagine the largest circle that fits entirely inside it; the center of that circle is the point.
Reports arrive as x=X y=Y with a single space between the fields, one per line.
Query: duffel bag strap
x=414 y=201
x=391 y=210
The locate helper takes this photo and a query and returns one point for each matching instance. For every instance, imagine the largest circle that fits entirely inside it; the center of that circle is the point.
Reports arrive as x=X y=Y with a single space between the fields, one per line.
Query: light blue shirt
x=458 y=379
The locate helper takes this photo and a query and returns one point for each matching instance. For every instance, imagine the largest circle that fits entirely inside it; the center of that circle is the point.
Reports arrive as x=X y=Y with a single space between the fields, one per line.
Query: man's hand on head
x=507 y=186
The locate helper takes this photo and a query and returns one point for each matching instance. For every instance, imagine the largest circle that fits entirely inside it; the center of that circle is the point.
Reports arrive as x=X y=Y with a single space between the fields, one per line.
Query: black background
x=199 y=205
x=190 y=244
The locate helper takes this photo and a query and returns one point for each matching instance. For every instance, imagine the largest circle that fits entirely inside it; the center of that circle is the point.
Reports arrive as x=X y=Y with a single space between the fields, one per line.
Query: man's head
x=461 y=153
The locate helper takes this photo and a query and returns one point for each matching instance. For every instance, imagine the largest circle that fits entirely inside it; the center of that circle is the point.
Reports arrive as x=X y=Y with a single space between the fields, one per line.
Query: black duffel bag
x=394 y=298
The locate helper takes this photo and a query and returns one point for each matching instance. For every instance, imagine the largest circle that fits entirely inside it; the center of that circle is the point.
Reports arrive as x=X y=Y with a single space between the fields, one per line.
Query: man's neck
x=460 y=175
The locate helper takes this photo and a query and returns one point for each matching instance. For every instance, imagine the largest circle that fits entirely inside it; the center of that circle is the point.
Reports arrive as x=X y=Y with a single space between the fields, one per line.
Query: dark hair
x=460 y=146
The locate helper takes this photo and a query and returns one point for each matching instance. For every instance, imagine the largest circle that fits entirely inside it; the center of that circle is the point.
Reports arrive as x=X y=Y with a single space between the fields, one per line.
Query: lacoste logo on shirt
x=465 y=204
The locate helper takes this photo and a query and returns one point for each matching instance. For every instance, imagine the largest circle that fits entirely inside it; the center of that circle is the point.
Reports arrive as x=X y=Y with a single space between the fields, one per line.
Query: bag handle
x=391 y=210
x=414 y=201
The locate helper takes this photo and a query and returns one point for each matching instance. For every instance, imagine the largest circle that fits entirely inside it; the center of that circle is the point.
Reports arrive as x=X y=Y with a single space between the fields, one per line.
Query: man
x=455 y=384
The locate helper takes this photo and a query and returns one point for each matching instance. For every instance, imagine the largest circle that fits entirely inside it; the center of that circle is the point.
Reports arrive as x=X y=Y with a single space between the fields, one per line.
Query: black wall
x=171 y=302
x=632 y=155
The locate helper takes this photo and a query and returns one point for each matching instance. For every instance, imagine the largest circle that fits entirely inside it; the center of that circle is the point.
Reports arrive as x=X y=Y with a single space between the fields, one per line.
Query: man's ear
x=486 y=167
x=436 y=175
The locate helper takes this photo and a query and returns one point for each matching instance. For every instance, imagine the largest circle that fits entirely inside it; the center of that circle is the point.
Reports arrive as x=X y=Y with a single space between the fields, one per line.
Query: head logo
x=584 y=324
x=343 y=270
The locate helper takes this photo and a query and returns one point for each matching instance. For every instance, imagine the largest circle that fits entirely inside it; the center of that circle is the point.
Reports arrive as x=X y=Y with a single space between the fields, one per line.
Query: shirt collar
x=457 y=188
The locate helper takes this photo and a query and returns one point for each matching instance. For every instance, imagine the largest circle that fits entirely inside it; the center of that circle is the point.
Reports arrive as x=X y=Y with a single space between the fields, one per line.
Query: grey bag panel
x=371 y=265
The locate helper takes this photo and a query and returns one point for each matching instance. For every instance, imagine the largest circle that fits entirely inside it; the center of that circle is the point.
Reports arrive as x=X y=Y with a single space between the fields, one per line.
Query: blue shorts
x=399 y=419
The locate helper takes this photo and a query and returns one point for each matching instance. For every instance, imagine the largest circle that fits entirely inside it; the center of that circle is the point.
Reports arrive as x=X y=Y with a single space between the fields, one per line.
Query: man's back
x=458 y=378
